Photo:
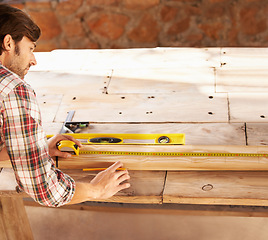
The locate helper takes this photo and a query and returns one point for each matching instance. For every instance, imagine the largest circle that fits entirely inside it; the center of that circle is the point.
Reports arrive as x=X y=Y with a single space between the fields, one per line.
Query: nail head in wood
x=207 y=187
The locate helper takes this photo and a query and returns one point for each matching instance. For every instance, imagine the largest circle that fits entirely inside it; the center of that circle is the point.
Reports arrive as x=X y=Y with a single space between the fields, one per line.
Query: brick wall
x=149 y=23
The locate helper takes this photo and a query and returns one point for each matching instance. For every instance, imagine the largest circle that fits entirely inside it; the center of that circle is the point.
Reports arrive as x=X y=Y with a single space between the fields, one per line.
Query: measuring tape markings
x=177 y=154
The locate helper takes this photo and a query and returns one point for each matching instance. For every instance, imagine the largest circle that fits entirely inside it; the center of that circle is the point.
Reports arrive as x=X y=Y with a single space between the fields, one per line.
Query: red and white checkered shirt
x=22 y=133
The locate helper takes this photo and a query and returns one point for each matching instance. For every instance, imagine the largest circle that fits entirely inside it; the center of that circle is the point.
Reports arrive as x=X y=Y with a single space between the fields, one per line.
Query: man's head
x=18 y=34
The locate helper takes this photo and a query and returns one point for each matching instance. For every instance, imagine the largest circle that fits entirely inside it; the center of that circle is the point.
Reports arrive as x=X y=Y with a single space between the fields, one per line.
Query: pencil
x=100 y=169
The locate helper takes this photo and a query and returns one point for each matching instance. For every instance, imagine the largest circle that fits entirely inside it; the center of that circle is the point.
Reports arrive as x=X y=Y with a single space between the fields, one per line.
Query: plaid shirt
x=22 y=133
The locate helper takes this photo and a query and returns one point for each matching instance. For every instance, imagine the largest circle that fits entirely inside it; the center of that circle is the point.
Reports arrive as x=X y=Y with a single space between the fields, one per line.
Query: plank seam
x=215 y=80
x=54 y=119
x=162 y=192
x=107 y=86
x=246 y=134
x=228 y=108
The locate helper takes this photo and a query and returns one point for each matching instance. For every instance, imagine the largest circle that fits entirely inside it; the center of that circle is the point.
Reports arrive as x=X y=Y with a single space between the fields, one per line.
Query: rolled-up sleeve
x=27 y=147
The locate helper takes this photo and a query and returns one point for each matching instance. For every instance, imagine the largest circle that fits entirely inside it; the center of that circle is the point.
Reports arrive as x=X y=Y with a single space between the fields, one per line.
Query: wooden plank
x=5 y=164
x=242 y=70
x=7 y=179
x=44 y=62
x=235 y=188
x=52 y=128
x=134 y=58
x=51 y=86
x=71 y=83
x=169 y=107
x=49 y=104
x=15 y=219
x=257 y=134
x=162 y=80
x=146 y=186
x=248 y=107
x=3 y=234
x=13 y=193
x=166 y=209
x=244 y=58
x=243 y=80
x=139 y=162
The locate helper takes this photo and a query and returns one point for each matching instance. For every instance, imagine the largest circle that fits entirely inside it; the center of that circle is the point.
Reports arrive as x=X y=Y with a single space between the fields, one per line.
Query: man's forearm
x=83 y=192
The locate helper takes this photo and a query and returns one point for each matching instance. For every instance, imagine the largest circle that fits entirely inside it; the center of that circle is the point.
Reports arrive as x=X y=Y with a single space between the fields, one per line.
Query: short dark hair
x=18 y=24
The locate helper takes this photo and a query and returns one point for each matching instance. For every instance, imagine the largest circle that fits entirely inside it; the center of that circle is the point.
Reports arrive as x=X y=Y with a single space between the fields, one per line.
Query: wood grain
x=248 y=107
x=5 y=164
x=83 y=60
x=244 y=80
x=235 y=188
x=14 y=218
x=134 y=108
x=49 y=104
x=146 y=186
x=246 y=58
x=69 y=83
x=3 y=234
x=257 y=134
x=162 y=80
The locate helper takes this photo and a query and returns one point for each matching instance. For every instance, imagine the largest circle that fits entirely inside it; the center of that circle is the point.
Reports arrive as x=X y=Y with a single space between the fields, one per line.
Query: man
x=22 y=138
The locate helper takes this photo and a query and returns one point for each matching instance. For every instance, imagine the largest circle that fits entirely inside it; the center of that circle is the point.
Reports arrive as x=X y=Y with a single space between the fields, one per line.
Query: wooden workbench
x=216 y=96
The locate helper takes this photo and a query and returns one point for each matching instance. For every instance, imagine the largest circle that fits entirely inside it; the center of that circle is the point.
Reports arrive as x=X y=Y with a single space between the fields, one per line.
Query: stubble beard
x=15 y=65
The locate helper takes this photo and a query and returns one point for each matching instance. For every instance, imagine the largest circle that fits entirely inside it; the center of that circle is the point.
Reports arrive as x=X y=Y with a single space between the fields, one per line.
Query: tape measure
x=72 y=147
x=175 y=154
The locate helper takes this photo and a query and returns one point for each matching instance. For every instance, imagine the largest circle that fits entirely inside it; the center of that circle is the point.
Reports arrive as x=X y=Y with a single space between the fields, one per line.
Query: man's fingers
x=123 y=178
x=111 y=181
x=119 y=174
x=73 y=140
x=123 y=186
x=113 y=167
x=63 y=154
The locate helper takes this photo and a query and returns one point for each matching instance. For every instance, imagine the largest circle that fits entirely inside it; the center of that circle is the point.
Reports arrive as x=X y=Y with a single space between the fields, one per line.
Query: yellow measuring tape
x=175 y=154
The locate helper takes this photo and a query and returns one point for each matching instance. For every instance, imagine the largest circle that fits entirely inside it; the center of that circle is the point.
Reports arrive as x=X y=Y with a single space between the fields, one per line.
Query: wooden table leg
x=14 y=223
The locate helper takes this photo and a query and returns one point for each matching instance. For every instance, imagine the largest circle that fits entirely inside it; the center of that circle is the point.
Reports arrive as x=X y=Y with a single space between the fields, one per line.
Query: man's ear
x=8 y=43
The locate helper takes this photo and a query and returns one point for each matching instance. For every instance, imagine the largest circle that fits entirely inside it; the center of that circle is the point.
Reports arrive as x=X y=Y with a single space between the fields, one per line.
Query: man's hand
x=109 y=182
x=52 y=145
x=104 y=185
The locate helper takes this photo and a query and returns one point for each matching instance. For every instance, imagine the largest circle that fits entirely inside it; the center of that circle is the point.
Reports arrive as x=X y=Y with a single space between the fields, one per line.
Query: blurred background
x=106 y=24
